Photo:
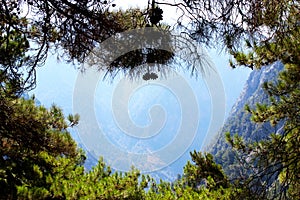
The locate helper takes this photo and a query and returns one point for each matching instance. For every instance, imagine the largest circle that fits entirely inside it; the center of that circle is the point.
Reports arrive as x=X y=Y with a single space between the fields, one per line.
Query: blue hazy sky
x=56 y=81
x=55 y=85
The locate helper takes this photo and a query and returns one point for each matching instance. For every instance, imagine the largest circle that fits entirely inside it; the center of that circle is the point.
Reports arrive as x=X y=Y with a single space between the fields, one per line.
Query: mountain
x=239 y=121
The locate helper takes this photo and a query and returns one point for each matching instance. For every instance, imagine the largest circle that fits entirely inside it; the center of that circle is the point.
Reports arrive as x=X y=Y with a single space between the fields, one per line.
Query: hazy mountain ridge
x=239 y=121
x=253 y=89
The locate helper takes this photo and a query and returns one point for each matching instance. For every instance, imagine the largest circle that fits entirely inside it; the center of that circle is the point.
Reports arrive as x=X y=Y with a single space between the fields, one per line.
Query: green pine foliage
x=204 y=171
x=30 y=137
x=274 y=161
x=40 y=160
x=283 y=150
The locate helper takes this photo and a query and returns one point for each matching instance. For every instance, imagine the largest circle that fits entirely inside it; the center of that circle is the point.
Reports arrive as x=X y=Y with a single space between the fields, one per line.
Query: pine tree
x=275 y=161
x=204 y=172
x=30 y=137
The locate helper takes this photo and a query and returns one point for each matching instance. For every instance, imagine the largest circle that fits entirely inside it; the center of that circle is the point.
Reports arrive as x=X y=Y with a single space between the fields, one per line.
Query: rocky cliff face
x=252 y=90
x=239 y=121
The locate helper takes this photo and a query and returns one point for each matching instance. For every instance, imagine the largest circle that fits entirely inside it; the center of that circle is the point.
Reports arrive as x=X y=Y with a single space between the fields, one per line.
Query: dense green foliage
x=31 y=138
x=40 y=160
x=275 y=161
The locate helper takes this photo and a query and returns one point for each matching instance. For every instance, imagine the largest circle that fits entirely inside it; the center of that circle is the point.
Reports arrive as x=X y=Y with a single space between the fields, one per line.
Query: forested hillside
x=239 y=120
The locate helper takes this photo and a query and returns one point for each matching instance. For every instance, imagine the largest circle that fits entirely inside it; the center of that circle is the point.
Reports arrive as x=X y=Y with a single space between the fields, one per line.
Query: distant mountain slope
x=239 y=121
